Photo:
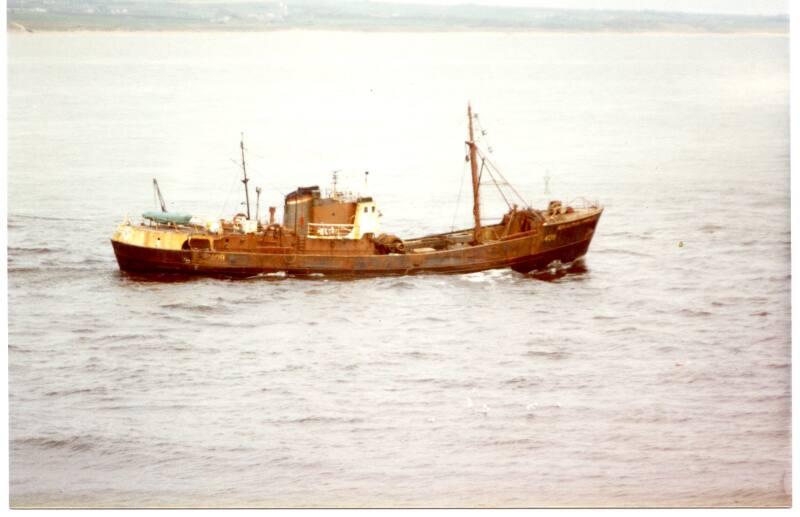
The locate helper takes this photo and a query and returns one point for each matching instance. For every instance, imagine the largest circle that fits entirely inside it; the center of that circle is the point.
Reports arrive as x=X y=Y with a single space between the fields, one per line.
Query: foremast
x=473 y=162
x=245 y=179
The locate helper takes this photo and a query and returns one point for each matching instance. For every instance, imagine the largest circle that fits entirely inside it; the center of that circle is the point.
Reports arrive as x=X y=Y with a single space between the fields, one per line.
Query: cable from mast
x=460 y=189
x=510 y=186
x=228 y=197
x=238 y=165
x=483 y=133
x=500 y=190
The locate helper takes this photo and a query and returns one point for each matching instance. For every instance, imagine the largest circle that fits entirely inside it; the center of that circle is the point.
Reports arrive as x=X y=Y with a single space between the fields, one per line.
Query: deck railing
x=583 y=203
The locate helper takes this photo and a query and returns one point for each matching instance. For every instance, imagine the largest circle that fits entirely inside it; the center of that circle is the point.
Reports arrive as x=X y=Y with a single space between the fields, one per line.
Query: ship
x=339 y=234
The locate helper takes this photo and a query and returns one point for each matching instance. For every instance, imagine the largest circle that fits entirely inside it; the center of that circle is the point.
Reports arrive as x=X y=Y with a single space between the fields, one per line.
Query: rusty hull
x=563 y=239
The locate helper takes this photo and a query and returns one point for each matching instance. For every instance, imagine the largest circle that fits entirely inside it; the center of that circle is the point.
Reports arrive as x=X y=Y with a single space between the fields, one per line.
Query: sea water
x=654 y=372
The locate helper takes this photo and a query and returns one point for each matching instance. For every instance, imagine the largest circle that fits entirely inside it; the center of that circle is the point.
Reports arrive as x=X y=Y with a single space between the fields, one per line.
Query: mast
x=160 y=198
x=473 y=162
x=335 y=179
x=245 y=180
x=258 y=198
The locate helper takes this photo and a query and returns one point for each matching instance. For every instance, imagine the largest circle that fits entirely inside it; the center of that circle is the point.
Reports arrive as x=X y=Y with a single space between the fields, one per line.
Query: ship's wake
x=557 y=270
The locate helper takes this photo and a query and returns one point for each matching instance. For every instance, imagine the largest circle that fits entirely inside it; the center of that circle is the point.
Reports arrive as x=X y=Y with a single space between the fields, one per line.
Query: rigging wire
x=460 y=188
x=255 y=170
x=500 y=190
x=505 y=181
x=483 y=133
x=489 y=166
x=253 y=173
x=230 y=190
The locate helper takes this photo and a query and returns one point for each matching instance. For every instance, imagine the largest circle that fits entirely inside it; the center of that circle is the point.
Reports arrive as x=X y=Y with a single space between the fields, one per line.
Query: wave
x=555 y=355
x=528 y=442
x=711 y=228
x=11 y=217
x=695 y=313
x=618 y=251
x=523 y=381
x=193 y=307
x=73 y=443
x=33 y=250
x=402 y=284
x=51 y=270
x=320 y=420
x=23 y=269
x=66 y=393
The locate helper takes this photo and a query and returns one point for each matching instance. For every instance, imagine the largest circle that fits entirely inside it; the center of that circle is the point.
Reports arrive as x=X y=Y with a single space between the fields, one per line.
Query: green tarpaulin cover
x=167 y=217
